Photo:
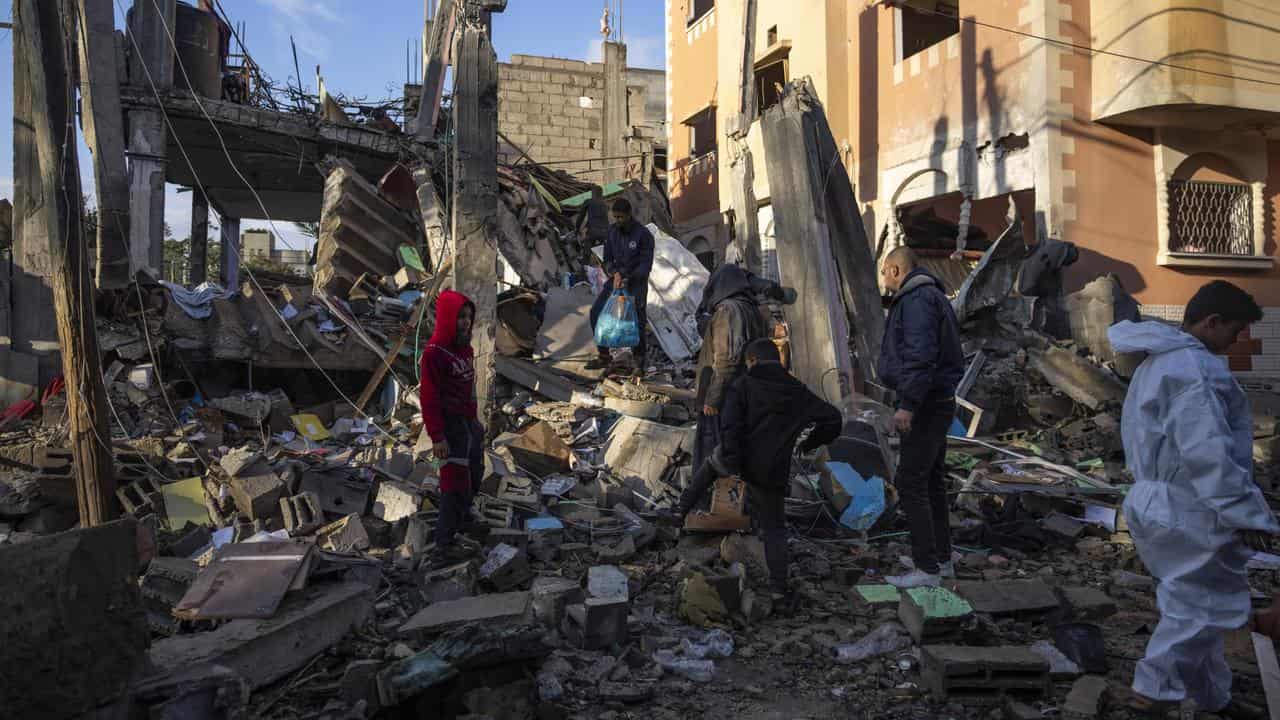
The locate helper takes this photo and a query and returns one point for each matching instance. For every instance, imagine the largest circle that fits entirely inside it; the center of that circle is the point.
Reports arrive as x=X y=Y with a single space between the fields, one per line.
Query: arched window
x=1210 y=208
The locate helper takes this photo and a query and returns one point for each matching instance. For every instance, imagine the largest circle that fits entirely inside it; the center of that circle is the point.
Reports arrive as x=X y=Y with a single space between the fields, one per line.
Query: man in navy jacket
x=921 y=359
x=628 y=260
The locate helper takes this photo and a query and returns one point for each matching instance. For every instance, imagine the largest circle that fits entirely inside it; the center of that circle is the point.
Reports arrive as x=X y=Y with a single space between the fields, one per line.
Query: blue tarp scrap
x=868 y=496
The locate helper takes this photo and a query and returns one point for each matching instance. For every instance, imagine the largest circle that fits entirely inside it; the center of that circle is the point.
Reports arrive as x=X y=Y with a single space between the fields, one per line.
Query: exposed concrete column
x=229 y=261
x=615 y=109
x=199 y=238
x=150 y=64
x=475 y=194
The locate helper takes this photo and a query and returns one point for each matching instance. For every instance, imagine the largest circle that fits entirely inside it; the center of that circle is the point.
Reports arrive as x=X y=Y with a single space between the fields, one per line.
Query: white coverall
x=1188 y=439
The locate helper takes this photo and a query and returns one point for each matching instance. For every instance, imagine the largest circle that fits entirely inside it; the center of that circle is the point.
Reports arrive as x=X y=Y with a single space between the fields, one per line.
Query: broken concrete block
x=517 y=490
x=347 y=535
x=302 y=513
x=748 y=550
x=1086 y=698
x=620 y=551
x=1094 y=309
x=263 y=651
x=138 y=499
x=546 y=535
x=192 y=540
x=1009 y=597
x=450 y=583
x=256 y=491
x=930 y=613
x=75 y=629
x=1061 y=667
x=642 y=531
x=505 y=568
x=700 y=601
x=551 y=596
x=608 y=582
x=549 y=687
x=597 y=623
x=237 y=460
x=983 y=675
x=1063 y=525
x=395 y=501
x=1078 y=378
x=1133 y=581
x=537 y=449
x=1087 y=603
x=496 y=608
x=1014 y=710
x=167 y=579
x=340 y=493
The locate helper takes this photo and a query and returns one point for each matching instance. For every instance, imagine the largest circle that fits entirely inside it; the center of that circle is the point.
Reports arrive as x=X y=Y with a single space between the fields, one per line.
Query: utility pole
x=43 y=26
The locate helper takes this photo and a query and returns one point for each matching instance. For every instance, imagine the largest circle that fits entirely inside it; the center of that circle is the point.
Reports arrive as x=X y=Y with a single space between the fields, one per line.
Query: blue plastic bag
x=618 y=326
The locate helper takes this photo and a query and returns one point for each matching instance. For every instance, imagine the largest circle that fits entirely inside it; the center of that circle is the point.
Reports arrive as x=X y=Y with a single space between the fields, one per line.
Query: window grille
x=1210 y=218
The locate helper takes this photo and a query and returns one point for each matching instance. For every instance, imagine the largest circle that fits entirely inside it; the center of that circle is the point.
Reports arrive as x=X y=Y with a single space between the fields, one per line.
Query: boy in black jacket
x=763 y=415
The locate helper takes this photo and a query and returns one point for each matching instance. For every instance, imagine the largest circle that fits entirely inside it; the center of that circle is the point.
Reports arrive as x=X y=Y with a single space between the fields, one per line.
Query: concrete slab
x=263 y=651
x=1009 y=597
x=497 y=607
x=1087 y=603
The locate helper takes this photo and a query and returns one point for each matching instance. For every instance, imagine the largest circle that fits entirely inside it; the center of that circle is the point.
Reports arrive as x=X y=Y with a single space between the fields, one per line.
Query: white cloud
x=309 y=22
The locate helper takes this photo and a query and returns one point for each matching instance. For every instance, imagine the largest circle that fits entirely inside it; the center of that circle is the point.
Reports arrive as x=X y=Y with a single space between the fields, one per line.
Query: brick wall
x=552 y=108
x=1255 y=355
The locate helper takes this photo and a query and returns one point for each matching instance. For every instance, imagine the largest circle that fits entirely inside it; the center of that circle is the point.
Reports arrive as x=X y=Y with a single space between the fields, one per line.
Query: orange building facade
x=1147 y=132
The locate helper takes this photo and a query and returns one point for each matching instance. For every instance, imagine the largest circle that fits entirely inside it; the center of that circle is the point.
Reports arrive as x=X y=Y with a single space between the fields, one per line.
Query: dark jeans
x=466 y=444
x=706 y=439
x=639 y=292
x=921 y=482
x=768 y=508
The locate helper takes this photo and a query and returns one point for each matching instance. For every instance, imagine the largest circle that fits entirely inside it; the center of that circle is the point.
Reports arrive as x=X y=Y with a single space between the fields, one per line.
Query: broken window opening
x=921 y=24
x=770 y=80
x=1210 y=218
x=699 y=8
x=702 y=133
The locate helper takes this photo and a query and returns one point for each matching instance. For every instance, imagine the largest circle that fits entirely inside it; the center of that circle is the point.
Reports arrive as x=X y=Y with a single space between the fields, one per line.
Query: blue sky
x=360 y=48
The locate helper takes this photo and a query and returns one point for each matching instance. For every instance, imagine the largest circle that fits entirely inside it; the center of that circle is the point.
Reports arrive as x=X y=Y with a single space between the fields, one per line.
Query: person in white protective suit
x=1194 y=511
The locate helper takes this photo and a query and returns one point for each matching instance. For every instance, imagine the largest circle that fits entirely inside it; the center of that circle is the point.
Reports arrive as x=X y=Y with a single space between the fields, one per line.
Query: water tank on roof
x=199 y=52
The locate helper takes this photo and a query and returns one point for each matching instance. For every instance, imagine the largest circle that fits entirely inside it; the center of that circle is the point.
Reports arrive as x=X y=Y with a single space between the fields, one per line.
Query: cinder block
x=506 y=568
x=596 y=624
x=1087 y=603
x=932 y=613
x=551 y=598
x=518 y=539
x=302 y=513
x=395 y=501
x=140 y=498
x=257 y=492
x=983 y=675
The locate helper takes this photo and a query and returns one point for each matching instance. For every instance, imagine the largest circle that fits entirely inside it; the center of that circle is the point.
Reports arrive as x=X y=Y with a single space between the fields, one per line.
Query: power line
x=1089 y=49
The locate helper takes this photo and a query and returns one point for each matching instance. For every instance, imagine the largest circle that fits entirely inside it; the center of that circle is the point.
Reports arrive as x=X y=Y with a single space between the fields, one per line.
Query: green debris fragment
x=939 y=603
x=963 y=461
x=878 y=594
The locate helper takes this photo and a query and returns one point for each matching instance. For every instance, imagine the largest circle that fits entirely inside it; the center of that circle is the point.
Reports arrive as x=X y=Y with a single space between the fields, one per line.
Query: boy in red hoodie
x=448 y=394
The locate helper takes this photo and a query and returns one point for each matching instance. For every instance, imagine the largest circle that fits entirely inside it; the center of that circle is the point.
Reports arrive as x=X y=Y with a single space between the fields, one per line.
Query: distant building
x=261 y=244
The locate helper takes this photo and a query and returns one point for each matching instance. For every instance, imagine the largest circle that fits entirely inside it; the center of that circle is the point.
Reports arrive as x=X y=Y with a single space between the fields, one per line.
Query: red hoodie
x=448 y=378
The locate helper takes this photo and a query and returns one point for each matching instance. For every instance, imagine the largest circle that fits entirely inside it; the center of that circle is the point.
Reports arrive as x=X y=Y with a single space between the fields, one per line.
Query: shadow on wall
x=1092 y=264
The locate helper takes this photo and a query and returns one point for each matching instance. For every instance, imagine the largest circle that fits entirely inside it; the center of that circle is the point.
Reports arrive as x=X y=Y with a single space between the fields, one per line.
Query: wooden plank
x=379 y=374
x=53 y=110
x=104 y=134
x=1265 y=652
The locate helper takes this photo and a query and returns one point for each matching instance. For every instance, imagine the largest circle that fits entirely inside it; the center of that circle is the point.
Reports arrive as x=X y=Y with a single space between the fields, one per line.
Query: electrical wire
x=232 y=246
x=1092 y=50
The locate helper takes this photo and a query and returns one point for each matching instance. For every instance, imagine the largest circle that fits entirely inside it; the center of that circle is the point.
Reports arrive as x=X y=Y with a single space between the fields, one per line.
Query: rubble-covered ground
x=288 y=571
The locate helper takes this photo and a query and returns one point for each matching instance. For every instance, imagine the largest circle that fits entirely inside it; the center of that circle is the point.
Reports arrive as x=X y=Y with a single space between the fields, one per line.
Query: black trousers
x=639 y=291
x=466 y=445
x=921 y=482
x=768 y=508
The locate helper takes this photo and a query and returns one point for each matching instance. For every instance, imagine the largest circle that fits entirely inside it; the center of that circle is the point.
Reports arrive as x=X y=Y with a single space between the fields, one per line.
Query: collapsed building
x=265 y=459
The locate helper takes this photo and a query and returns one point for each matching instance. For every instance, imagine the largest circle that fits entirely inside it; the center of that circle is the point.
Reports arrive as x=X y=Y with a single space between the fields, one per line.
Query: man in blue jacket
x=922 y=361
x=628 y=260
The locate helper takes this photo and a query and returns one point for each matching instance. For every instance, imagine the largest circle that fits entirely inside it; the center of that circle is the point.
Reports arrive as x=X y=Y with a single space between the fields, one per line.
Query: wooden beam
x=379 y=374
x=475 y=200
x=104 y=134
x=53 y=115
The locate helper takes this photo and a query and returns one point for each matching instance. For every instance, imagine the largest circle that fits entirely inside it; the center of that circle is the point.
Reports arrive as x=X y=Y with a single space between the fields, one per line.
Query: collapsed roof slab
x=276 y=151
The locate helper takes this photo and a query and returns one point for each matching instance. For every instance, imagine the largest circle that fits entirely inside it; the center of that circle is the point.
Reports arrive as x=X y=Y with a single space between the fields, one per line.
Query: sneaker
x=947 y=569
x=914 y=579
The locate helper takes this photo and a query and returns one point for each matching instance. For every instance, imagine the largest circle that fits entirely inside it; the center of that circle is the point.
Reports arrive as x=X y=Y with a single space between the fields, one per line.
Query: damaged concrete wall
x=72 y=627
